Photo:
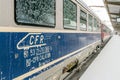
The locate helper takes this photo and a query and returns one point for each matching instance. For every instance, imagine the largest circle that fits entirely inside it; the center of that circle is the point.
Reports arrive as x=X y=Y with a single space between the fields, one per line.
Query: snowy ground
x=107 y=64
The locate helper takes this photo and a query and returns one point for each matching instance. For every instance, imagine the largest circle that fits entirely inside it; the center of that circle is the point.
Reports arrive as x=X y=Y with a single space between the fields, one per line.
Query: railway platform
x=106 y=66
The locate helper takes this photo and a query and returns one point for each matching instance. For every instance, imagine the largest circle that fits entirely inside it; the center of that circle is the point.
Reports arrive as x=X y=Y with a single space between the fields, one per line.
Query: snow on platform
x=107 y=64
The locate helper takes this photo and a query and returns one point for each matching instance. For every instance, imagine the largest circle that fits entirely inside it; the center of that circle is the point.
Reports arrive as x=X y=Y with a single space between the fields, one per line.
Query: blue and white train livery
x=45 y=39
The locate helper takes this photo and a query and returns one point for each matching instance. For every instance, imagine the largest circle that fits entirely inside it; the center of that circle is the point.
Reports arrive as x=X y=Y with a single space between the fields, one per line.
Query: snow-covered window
x=90 y=23
x=83 y=20
x=35 y=12
x=70 y=14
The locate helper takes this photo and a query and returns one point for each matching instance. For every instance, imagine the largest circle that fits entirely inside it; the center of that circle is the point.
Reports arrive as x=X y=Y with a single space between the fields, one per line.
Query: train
x=106 y=34
x=47 y=39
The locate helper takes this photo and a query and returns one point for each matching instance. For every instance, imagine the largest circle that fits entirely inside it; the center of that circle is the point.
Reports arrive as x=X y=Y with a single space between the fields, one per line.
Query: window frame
x=36 y=25
x=91 y=21
x=99 y=29
x=94 y=25
x=76 y=17
x=83 y=19
x=97 y=26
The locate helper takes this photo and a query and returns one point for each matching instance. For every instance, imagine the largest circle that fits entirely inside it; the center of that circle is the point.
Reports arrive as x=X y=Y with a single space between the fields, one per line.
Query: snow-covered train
x=46 y=39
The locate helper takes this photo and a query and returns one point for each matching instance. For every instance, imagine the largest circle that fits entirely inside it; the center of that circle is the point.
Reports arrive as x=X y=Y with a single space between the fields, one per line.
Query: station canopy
x=113 y=8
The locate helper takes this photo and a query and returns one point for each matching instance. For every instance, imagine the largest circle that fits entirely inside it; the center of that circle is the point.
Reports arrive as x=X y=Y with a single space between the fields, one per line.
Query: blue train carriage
x=45 y=39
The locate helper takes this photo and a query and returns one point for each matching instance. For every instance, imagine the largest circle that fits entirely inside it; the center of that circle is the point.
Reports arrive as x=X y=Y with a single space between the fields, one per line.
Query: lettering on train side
x=31 y=40
x=1 y=76
x=36 y=39
x=35 y=51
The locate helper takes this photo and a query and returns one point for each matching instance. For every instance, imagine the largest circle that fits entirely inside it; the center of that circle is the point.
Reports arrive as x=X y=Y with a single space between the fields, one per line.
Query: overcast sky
x=100 y=11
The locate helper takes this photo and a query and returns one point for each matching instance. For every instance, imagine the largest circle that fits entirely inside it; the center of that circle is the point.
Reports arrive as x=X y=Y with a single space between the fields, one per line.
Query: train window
x=95 y=28
x=70 y=14
x=90 y=23
x=99 y=29
x=83 y=21
x=35 y=12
